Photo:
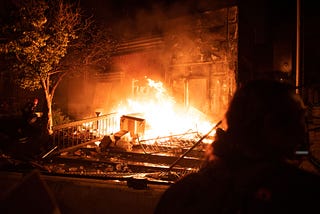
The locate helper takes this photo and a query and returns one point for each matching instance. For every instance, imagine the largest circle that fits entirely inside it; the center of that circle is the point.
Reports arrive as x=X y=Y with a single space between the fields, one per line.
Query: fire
x=163 y=116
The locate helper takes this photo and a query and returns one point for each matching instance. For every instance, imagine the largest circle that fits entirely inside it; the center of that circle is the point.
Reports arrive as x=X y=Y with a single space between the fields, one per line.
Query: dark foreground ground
x=37 y=193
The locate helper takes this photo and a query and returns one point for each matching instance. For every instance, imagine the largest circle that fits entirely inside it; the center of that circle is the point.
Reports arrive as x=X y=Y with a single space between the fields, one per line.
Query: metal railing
x=85 y=131
x=169 y=143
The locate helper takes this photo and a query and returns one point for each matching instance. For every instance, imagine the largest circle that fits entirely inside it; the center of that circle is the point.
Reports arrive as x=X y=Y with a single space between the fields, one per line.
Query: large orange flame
x=162 y=114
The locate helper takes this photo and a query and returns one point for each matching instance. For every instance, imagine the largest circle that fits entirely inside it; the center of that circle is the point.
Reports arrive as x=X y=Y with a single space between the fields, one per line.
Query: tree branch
x=55 y=85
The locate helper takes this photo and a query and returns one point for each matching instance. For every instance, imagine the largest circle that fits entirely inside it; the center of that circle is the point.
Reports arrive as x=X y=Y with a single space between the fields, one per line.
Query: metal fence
x=85 y=131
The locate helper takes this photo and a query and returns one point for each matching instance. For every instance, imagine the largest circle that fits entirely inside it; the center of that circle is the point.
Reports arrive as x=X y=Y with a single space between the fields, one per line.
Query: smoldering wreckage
x=122 y=155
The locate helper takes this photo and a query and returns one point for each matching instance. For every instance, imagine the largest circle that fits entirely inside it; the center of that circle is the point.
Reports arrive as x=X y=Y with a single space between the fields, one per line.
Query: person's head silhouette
x=265 y=119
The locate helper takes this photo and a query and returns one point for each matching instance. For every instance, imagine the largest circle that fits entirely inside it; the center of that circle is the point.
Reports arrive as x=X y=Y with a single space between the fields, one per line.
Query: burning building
x=188 y=68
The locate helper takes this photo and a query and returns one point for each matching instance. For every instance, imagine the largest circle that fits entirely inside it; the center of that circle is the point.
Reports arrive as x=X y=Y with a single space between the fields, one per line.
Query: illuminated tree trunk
x=49 y=97
x=50 y=121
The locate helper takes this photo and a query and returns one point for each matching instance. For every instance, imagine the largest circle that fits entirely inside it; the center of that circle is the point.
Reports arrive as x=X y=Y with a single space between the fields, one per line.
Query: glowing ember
x=163 y=115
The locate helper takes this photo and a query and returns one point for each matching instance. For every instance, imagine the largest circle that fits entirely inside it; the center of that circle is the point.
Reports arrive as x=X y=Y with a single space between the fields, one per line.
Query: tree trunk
x=49 y=96
x=49 y=108
x=50 y=121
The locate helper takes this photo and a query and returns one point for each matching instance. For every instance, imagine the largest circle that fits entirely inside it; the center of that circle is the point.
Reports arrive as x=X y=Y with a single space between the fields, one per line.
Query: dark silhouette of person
x=30 y=125
x=251 y=168
x=29 y=111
